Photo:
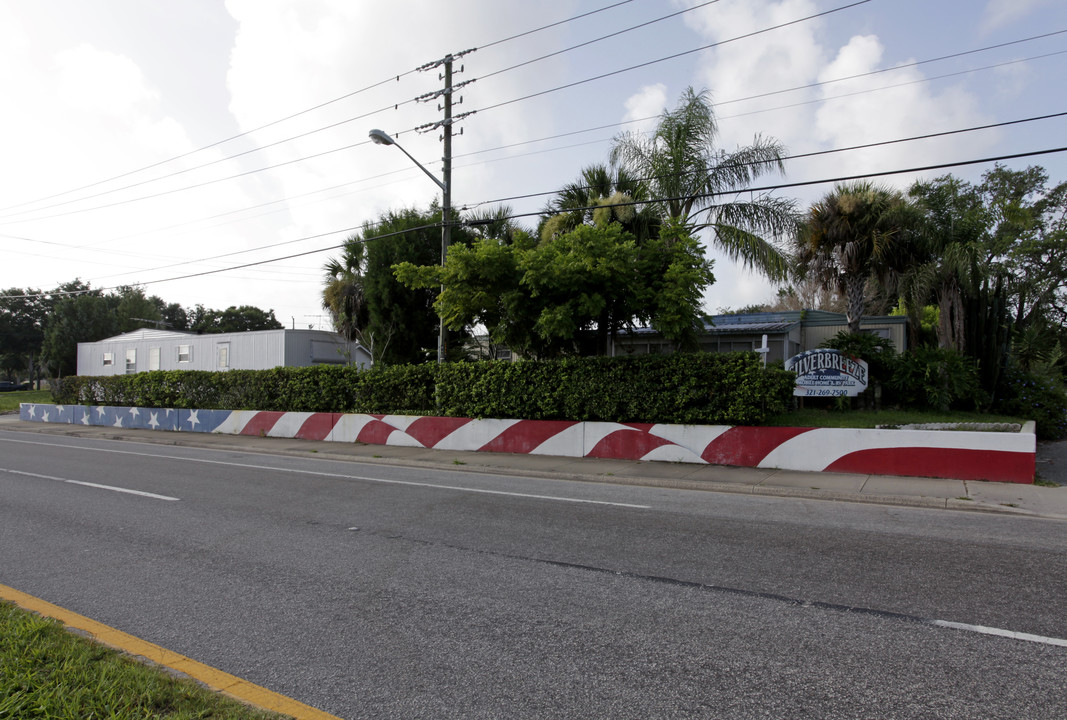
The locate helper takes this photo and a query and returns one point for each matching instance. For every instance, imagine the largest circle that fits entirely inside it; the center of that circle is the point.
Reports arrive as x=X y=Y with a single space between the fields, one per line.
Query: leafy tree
x=401 y=325
x=540 y=299
x=699 y=186
x=173 y=316
x=86 y=316
x=856 y=231
x=136 y=310
x=233 y=319
x=995 y=266
x=22 y=315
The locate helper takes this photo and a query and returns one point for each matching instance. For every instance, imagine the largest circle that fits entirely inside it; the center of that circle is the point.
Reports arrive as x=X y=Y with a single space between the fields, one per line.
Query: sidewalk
x=1007 y=498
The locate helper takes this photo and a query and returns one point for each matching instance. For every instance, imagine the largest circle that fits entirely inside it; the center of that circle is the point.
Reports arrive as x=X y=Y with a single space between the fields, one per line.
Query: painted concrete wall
x=1004 y=457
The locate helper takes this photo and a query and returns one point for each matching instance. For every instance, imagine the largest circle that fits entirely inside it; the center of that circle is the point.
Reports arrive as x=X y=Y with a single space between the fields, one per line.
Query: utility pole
x=446 y=161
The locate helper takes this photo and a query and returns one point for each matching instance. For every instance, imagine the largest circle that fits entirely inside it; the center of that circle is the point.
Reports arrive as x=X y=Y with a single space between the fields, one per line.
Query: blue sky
x=97 y=90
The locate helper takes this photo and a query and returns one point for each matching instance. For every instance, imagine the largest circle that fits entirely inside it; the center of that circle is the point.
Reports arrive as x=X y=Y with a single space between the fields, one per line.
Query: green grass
x=47 y=672
x=869 y=418
x=10 y=400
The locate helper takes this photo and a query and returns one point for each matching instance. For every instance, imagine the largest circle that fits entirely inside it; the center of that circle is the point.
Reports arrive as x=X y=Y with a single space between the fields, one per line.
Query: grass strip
x=10 y=400
x=47 y=672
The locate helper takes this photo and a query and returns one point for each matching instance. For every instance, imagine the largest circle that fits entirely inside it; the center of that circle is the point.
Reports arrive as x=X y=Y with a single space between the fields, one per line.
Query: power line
x=735 y=100
x=815 y=153
x=901 y=67
x=236 y=267
x=555 y=24
x=292 y=116
x=596 y=40
x=768 y=188
x=543 y=194
x=319 y=129
x=675 y=56
x=897 y=85
x=7 y=219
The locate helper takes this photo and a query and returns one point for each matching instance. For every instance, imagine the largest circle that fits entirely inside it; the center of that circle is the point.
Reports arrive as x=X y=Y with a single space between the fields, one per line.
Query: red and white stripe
x=1006 y=457
x=1001 y=456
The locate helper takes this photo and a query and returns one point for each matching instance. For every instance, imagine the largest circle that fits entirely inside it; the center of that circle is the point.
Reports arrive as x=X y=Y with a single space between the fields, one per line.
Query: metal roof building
x=147 y=349
x=788 y=333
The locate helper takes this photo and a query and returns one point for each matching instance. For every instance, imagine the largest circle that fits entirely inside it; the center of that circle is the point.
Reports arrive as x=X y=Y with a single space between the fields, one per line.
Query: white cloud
x=1004 y=12
x=822 y=117
x=646 y=106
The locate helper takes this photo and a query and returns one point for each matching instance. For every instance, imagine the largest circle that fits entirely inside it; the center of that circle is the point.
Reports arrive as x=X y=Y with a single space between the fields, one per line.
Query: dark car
x=8 y=386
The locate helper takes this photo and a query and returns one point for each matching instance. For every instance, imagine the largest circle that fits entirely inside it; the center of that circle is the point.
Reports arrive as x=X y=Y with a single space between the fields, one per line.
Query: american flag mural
x=998 y=456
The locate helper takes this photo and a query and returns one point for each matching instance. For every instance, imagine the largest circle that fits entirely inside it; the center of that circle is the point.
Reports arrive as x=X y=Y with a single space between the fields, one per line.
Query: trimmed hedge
x=705 y=388
x=694 y=389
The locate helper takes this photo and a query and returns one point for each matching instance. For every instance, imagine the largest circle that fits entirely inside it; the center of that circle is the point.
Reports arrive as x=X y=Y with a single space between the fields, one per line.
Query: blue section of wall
x=201 y=420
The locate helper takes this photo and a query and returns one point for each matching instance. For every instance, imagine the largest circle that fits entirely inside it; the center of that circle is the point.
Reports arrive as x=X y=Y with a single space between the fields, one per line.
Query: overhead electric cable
x=552 y=25
x=596 y=40
x=215 y=162
x=6 y=220
x=717 y=104
x=675 y=56
x=816 y=153
x=311 y=132
x=767 y=188
x=894 y=86
x=391 y=78
x=553 y=192
x=900 y=67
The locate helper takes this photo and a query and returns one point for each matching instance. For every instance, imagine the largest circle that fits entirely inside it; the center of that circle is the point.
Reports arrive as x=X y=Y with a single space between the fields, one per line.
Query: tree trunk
x=854 y=291
x=950 y=325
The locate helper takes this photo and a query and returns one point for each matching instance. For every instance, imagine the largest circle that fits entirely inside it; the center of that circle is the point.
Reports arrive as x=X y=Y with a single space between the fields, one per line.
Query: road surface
x=392 y=592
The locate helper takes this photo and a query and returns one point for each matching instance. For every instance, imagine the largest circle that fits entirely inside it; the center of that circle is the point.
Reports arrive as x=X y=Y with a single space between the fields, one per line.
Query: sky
x=217 y=153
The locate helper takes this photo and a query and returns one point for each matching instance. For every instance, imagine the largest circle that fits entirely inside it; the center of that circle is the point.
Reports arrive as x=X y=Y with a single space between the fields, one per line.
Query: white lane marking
x=383 y=481
x=89 y=484
x=1000 y=633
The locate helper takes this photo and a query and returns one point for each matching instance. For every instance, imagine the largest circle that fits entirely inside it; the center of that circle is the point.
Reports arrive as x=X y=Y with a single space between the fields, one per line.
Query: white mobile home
x=146 y=349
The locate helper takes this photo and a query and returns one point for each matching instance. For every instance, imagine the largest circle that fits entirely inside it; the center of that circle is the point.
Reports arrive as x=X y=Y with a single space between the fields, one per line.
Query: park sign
x=827 y=373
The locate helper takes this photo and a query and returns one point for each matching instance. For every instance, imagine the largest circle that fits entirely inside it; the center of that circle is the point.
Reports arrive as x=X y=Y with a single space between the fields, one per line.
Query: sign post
x=827 y=373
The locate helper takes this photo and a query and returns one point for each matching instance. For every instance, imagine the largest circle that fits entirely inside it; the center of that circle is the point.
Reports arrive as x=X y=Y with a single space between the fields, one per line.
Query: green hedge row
x=732 y=389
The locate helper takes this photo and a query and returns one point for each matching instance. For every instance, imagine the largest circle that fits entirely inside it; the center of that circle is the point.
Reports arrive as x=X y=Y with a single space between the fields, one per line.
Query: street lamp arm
x=382 y=138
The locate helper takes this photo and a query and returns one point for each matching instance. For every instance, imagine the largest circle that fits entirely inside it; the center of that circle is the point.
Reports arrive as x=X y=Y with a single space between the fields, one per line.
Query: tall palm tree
x=702 y=187
x=343 y=295
x=856 y=231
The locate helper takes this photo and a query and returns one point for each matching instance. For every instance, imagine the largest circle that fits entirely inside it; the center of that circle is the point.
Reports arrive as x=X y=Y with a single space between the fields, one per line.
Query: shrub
x=937 y=378
x=1036 y=398
x=878 y=352
x=703 y=388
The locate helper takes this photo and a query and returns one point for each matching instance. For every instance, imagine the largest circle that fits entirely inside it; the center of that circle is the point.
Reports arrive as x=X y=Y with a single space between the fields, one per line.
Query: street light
x=380 y=137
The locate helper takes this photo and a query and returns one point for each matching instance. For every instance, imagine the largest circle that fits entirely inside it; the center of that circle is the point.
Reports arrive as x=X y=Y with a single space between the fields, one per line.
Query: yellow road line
x=223 y=682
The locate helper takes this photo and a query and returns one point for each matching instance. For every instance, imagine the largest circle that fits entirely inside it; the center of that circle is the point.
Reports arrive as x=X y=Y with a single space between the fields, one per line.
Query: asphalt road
x=391 y=592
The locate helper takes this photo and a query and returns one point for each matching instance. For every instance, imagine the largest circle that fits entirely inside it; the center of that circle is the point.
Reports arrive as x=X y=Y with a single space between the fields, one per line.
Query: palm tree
x=856 y=231
x=955 y=232
x=600 y=195
x=343 y=294
x=700 y=186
